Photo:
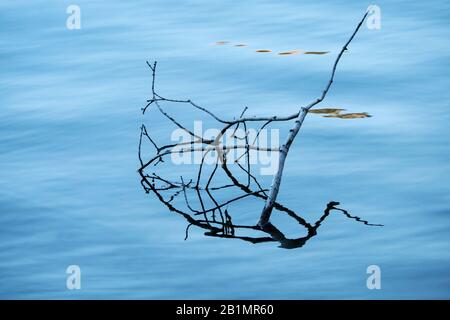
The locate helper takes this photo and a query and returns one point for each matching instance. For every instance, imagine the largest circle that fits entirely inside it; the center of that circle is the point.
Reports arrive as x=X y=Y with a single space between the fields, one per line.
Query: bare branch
x=200 y=204
x=275 y=187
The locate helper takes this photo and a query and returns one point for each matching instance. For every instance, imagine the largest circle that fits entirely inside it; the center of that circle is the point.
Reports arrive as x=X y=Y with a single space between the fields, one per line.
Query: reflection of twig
x=225 y=228
x=212 y=213
x=345 y=212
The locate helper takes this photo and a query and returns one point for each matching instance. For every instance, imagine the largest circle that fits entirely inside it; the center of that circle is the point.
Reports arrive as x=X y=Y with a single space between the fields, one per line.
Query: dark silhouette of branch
x=201 y=200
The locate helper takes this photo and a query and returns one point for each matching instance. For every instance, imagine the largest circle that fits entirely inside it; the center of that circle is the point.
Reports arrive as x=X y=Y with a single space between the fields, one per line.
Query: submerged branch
x=211 y=211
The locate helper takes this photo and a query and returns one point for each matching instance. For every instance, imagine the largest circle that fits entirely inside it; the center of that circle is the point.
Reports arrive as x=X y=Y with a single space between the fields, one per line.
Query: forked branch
x=201 y=198
x=284 y=150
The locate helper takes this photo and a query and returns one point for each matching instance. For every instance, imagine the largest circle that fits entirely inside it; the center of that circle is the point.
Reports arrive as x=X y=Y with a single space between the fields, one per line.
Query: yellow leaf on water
x=263 y=51
x=336 y=113
x=316 y=52
x=286 y=53
x=358 y=115
x=326 y=111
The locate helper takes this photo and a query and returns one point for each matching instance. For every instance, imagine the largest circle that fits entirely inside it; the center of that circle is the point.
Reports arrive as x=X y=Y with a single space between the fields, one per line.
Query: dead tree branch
x=200 y=200
x=275 y=187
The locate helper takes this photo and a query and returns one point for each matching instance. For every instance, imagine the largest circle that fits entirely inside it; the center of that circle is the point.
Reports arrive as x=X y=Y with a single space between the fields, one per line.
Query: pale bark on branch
x=284 y=150
x=210 y=211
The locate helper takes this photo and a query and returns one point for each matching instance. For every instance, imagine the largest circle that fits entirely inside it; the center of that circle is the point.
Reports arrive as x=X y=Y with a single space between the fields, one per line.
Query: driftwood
x=212 y=213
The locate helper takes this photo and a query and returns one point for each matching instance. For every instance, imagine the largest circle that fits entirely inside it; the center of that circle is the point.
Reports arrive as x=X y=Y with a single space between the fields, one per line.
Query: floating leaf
x=240 y=45
x=286 y=53
x=316 y=52
x=263 y=51
x=336 y=113
x=326 y=111
x=358 y=115
x=221 y=43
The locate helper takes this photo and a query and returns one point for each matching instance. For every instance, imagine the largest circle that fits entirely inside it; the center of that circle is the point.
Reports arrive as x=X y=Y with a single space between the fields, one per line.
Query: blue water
x=69 y=126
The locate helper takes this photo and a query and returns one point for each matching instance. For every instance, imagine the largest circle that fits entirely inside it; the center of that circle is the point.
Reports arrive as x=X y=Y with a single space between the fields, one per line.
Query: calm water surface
x=69 y=124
